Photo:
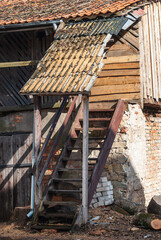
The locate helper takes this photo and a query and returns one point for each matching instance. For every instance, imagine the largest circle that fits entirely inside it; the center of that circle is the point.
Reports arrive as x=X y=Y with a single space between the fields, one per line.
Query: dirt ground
x=108 y=224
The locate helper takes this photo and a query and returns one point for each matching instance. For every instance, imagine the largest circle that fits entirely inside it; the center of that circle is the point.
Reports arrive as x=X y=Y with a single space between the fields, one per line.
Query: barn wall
x=150 y=51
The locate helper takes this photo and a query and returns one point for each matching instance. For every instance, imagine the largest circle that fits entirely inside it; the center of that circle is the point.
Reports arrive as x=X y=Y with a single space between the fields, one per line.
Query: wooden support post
x=85 y=161
x=37 y=142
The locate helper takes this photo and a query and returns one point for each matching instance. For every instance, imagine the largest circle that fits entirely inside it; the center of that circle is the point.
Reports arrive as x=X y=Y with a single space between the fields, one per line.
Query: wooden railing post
x=85 y=161
x=37 y=142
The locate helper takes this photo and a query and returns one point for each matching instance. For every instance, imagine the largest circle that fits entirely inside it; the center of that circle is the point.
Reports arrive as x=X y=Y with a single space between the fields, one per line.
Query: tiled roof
x=26 y=11
x=73 y=62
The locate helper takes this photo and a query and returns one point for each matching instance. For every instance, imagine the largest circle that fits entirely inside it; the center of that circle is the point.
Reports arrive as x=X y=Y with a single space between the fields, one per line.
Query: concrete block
x=104 y=184
x=103 y=179
x=98 y=194
x=110 y=192
x=102 y=189
x=93 y=201
x=109 y=183
x=107 y=198
x=111 y=187
x=95 y=205
x=101 y=199
x=101 y=204
x=109 y=202
x=105 y=193
x=94 y=196
x=99 y=185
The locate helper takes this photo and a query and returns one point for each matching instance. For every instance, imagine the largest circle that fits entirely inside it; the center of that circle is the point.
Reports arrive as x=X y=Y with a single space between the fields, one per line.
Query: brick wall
x=153 y=157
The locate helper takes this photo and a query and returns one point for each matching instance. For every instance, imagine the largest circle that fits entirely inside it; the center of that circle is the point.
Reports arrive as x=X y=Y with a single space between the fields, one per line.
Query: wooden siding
x=120 y=76
x=150 y=51
x=14 y=180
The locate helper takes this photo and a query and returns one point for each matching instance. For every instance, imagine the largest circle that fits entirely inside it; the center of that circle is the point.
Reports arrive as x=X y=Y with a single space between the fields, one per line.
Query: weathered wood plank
x=121 y=66
x=22 y=153
x=142 y=64
x=118 y=72
x=37 y=143
x=153 y=63
x=18 y=64
x=122 y=59
x=117 y=47
x=6 y=178
x=110 y=97
x=85 y=160
x=102 y=105
x=130 y=39
x=112 y=89
x=117 y=80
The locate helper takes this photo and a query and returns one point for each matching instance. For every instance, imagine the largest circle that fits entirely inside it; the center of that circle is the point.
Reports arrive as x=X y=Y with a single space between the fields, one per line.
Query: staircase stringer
x=102 y=158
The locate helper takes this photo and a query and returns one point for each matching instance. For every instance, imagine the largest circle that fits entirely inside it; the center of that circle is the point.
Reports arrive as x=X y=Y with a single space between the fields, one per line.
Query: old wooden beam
x=37 y=142
x=85 y=160
x=122 y=59
x=18 y=64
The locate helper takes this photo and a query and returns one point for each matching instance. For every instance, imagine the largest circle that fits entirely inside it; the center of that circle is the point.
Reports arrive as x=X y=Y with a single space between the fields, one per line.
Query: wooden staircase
x=61 y=204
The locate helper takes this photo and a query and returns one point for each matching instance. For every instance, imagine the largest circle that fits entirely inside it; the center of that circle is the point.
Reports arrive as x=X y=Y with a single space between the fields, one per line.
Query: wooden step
x=72 y=169
x=52 y=226
x=98 y=119
x=90 y=138
x=60 y=203
x=66 y=180
x=56 y=215
x=93 y=129
x=77 y=159
x=69 y=159
x=64 y=191
x=101 y=110
x=80 y=148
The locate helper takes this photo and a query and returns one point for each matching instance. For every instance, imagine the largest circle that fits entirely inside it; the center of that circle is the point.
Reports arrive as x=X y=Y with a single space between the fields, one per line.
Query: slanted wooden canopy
x=73 y=62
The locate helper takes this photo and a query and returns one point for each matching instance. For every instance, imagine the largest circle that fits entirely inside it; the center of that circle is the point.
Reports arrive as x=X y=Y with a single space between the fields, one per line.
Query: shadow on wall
x=16 y=148
x=14 y=181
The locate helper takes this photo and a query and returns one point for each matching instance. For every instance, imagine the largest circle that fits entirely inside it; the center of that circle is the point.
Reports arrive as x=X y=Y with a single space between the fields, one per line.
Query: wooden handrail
x=102 y=158
x=39 y=158
x=56 y=141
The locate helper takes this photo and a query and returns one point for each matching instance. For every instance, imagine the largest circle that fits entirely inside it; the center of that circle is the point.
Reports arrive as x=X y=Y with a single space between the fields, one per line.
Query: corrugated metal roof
x=91 y=28
x=73 y=62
